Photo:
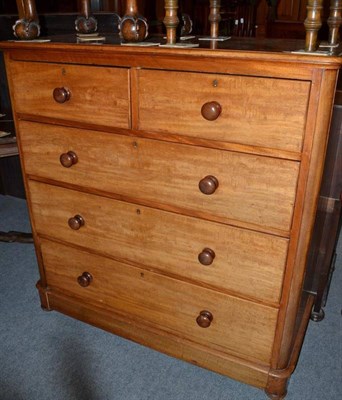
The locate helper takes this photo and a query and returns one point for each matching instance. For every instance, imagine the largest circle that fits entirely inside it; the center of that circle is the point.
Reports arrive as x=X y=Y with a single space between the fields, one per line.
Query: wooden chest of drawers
x=173 y=192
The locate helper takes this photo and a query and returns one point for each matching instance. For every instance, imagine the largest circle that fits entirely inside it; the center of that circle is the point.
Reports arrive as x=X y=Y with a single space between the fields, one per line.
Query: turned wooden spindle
x=313 y=23
x=214 y=17
x=21 y=8
x=334 y=21
x=133 y=26
x=27 y=27
x=85 y=22
x=171 y=20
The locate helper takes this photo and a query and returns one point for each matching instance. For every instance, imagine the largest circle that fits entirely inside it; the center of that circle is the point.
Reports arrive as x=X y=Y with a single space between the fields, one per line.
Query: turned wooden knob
x=76 y=222
x=206 y=257
x=68 y=159
x=211 y=110
x=208 y=185
x=85 y=279
x=204 y=319
x=61 y=95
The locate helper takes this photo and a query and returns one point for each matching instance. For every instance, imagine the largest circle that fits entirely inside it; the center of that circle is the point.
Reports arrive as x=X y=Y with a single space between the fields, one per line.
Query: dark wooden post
x=171 y=20
x=133 y=26
x=27 y=27
x=334 y=21
x=85 y=22
x=313 y=23
x=214 y=17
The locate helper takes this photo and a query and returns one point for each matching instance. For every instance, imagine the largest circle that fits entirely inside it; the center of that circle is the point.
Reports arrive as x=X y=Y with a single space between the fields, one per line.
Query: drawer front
x=238 y=326
x=98 y=95
x=254 y=111
x=252 y=189
x=244 y=262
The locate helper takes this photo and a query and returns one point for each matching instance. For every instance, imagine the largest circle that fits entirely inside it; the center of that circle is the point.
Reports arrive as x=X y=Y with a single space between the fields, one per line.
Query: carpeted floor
x=48 y=356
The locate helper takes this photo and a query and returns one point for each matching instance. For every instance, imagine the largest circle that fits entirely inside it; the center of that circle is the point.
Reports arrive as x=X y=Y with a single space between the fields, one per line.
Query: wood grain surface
x=252 y=112
x=171 y=305
x=255 y=190
x=249 y=264
x=97 y=94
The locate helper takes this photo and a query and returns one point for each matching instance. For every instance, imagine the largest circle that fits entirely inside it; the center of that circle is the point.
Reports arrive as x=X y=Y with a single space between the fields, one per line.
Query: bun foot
x=43 y=294
x=44 y=308
x=317 y=316
x=276 y=396
x=276 y=388
x=26 y=30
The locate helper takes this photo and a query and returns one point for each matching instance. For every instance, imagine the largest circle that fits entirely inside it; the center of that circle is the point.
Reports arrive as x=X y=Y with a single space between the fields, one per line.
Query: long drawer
x=237 y=326
x=246 y=110
x=247 y=263
x=253 y=189
x=97 y=95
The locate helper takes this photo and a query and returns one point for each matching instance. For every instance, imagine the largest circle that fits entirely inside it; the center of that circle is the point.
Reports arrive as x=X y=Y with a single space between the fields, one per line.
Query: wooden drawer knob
x=61 y=95
x=76 y=222
x=205 y=319
x=85 y=279
x=208 y=184
x=68 y=159
x=211 y=110
x=206 y=257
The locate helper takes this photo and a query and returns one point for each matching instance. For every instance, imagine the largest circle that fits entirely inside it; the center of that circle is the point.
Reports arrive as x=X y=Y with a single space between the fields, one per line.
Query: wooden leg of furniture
x=171 y=20
x=85 y=22
x=313 y=23
x=327 y=256
x=133 y=26
x=317 y=316
x=276 y=388
x=44 y=300
x=214 y=17
x=275 y=396
x=27 y=27
x=334 y=21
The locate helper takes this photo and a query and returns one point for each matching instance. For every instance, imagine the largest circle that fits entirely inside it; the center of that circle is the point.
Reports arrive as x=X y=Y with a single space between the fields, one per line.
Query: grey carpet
x=49 y=356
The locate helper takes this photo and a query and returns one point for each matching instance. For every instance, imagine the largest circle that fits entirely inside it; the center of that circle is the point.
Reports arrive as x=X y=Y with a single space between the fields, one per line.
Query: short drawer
x=254 y=111
x=234 y=260
x=96 y=95
x=237 y=326
x=253 y=190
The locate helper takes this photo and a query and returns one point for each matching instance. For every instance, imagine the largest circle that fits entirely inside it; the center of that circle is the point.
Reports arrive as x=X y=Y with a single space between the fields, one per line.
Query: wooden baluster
x=214 y=17
x=313 y=23
x=27 y=27
x=133 y=26
x=85 y=22
x=171 y=21
x=21 y=9
x=334 y=21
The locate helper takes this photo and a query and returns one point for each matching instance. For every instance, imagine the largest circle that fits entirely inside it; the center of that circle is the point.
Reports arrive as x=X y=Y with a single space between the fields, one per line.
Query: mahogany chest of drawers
x=172 y=194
